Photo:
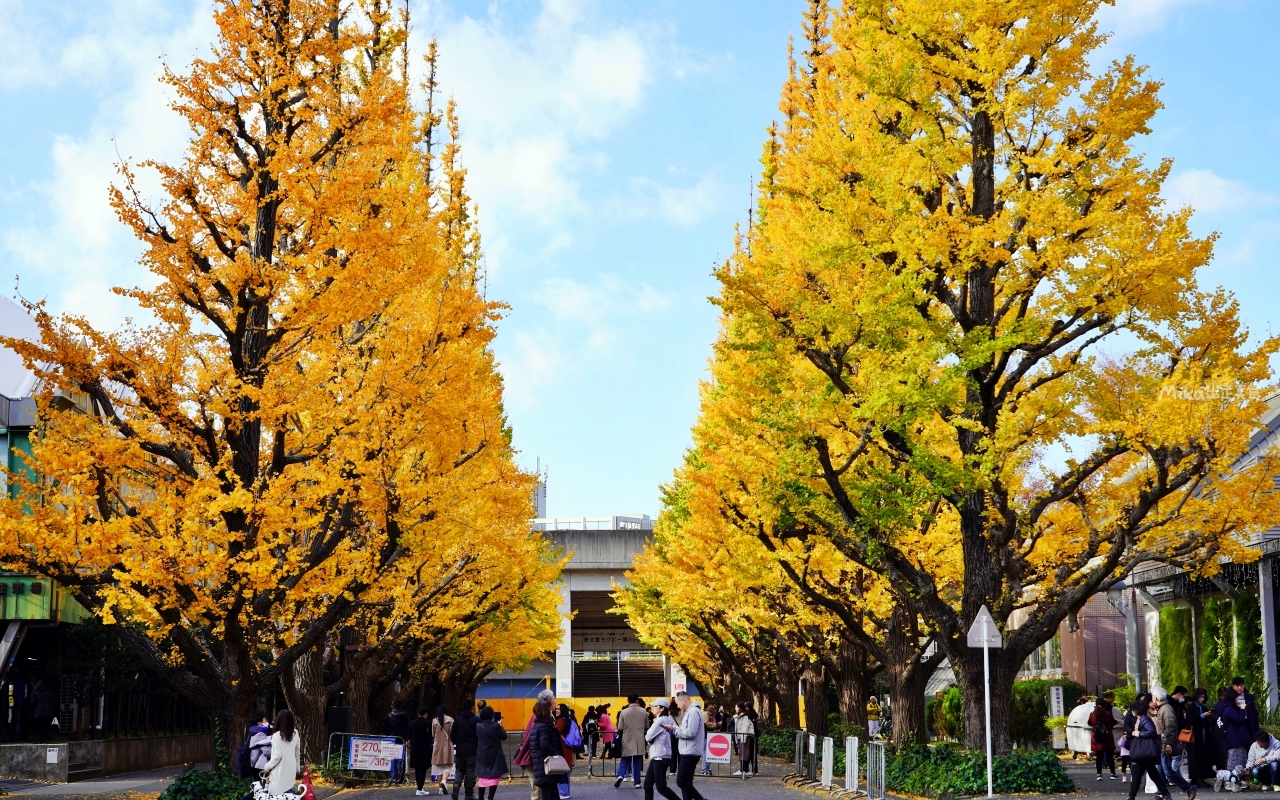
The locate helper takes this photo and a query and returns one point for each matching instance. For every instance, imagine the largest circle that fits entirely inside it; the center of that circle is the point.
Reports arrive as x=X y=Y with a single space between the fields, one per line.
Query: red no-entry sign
x=719 y=747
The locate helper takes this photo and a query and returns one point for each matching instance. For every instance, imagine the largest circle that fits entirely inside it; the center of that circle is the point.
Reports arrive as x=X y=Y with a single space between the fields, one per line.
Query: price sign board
x=719 y=748
x=374 y=753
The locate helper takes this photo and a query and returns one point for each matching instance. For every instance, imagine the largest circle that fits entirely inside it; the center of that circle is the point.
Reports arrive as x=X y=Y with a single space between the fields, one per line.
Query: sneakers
x=1113 y=776
x=420 y=792
x=618 y=783
x=737 y=774
x=1099 y=776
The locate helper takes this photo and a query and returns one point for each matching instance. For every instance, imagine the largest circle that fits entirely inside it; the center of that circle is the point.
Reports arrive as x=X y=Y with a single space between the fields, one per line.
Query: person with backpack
x=591 y=730
x=1103 y=742
x=564 y=724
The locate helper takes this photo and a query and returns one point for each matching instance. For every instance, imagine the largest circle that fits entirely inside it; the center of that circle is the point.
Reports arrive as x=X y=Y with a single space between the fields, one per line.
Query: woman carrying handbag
x=1144 y=749
x=546 y=750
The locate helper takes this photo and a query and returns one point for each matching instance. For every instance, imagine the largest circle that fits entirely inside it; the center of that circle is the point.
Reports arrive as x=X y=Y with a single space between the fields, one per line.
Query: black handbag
x=1144 y=748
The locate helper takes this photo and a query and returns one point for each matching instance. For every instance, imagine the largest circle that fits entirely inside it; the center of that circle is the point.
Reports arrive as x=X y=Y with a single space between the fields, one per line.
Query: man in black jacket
x=397 y=724
x=464 y=750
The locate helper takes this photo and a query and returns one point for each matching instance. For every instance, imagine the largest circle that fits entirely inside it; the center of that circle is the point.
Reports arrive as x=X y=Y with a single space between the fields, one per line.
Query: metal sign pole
x=986 y=681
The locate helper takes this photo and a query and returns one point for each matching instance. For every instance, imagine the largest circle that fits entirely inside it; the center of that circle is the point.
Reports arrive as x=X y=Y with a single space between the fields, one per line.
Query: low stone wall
x=50 y=762
x=37 y=762
x=135 y=755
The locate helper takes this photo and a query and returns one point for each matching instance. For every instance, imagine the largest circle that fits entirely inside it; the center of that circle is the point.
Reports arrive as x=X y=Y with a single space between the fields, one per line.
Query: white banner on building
x=606 y=640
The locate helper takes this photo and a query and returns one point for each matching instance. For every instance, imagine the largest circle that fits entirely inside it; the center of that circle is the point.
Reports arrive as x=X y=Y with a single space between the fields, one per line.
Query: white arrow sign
x=983 y=632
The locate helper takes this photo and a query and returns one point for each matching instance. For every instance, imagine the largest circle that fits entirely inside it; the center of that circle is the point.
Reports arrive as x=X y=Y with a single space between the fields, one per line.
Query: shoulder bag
x=555 y=765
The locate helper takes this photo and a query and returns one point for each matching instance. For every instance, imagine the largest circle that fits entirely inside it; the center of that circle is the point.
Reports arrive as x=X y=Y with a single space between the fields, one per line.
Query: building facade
x=600 y=658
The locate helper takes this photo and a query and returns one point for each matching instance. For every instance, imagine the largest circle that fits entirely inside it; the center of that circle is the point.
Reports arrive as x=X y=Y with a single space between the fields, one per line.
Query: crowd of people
x=467 y=752
x=1221 y=744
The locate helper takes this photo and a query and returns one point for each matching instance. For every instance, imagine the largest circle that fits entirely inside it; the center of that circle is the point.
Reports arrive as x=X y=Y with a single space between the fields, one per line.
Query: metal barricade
x=340 y=758
x=875 y=771
x=851 y=764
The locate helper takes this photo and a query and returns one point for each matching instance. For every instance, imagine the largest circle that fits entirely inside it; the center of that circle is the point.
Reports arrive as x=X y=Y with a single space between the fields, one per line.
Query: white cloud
x=689 y=206
x=532 y=102
x=78 y=249
x=1208 y=192
x=1136 y=17
x=585 y=322
x=683 y=205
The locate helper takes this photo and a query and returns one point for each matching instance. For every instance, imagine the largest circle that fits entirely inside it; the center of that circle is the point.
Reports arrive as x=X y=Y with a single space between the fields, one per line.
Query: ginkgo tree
x=310 y=420
x=972 y=316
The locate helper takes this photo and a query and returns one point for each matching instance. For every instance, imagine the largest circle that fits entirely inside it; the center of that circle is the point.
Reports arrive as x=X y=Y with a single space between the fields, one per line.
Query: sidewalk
x=150 y=782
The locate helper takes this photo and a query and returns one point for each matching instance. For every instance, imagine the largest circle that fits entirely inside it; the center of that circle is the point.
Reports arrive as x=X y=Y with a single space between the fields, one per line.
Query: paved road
x=725 y=787
x=151 y=782
x=141 y=785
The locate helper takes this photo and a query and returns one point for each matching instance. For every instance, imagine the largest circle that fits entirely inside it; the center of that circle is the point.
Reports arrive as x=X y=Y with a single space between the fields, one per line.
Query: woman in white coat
x=282 y=769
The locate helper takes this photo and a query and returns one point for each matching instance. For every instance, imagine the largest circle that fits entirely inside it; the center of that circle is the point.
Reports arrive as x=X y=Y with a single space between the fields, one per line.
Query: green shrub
x=1247 y=658
x=1125 y=693
x=1176 y=667
x=930 y=771
x=949 y=715
x=196 y=784
x=1217 y=644
x=777 y=742
x=1029 y=708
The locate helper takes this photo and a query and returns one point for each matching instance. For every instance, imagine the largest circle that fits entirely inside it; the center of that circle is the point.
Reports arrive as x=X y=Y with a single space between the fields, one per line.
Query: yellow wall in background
x=517 y=710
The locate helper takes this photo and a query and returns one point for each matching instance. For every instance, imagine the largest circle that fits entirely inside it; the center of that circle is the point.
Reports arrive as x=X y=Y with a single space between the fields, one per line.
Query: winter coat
x=396 y=724
x=1144 y=744
x=464 y=734
x=632 y=722
x=659 y=737
x=491 y=762
x=562 y=728
x=442 y=749
x=259 y=746
x=1235 y=723
x=544 y=741
x=1168 y=725
x=1102 y=715
x=606 y=728
x=283 y=766
x=420 y=743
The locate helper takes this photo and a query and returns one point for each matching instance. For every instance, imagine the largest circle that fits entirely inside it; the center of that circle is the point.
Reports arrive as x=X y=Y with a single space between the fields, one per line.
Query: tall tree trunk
x=360 y=688
x=815 y=699
x=1003 y=671
x=788 y=688
x=305 y=692
x=852 y=681
x=765 y=708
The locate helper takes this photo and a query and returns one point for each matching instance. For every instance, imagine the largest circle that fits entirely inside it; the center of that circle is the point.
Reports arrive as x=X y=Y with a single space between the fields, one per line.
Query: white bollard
x=828 y=761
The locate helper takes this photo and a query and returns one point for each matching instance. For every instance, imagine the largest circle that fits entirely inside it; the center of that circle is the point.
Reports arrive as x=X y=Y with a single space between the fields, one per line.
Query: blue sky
x=611 y=148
